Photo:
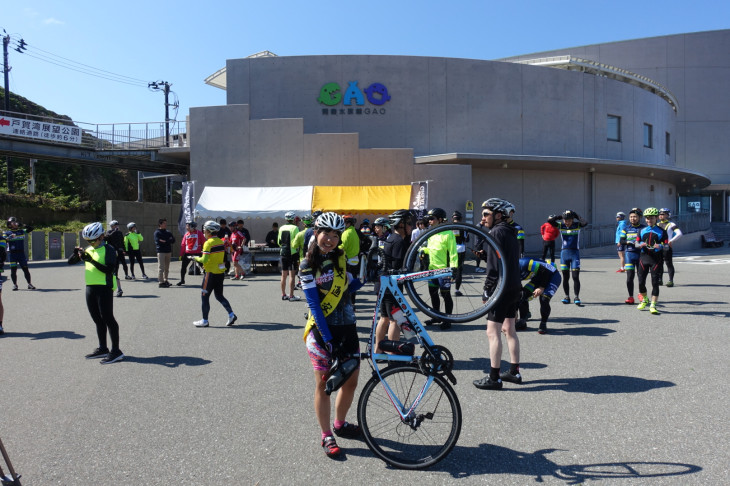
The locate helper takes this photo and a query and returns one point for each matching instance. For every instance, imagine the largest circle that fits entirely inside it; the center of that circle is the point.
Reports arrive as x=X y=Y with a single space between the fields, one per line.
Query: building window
x=613 y=128
x=667 y=143
x=648 y=135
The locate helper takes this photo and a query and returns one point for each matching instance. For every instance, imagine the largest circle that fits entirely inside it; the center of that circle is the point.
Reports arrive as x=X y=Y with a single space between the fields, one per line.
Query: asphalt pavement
x=611 y=395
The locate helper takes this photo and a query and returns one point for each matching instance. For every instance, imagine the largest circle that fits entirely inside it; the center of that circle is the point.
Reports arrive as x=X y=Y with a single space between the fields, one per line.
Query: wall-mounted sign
x=331 y=95
x=51 y=132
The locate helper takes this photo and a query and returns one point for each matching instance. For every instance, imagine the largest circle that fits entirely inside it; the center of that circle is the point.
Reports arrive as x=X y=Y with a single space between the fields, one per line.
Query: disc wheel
x=430 y=431
x=468 y=306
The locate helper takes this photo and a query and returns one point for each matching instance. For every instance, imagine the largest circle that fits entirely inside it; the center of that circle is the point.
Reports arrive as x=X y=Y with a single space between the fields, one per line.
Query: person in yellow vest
x=100 y=264
x=331 y=330
x=213 y=261
x=131 y=246
x=351 y=245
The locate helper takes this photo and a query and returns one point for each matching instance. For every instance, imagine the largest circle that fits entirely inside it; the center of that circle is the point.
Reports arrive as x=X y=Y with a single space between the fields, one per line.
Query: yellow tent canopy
x=361 y=199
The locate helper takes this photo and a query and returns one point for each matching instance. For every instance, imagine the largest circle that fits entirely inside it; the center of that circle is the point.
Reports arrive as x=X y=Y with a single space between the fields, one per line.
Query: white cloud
x=52 y=21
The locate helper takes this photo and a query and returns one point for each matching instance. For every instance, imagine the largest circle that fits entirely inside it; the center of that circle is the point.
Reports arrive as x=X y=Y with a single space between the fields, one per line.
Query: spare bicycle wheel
x=469 y=305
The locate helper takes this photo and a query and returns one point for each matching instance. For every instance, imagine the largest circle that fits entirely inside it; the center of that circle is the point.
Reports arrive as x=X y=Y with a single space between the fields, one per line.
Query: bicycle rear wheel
x=430 y=433
x=469 y=305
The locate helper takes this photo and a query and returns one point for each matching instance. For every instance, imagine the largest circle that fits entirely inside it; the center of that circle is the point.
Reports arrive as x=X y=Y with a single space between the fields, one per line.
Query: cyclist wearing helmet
x=115 y=238
x=15 y=237
x=331 y=330
x=100 y=262
x=570 y=227
x=673 y=233
x=462 y=237
x=544 y=281
x=442 y=253
x=394 y=252
x=214 y=266
x=287 y=233
x=190 y=247
x=651 y=240
x=381 y=229
x=501 y=318
x=628 y=239
x=351 y=244
x=621 y=224
x=131 y=245
x=298 y=242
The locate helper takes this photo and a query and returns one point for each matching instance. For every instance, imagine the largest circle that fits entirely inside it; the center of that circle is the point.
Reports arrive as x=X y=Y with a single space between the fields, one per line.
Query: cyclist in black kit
x=115 y=238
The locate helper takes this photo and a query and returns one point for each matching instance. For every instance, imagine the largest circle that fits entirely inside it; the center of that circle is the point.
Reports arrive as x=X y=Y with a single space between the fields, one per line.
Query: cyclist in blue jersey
x=651 y=240
x=544 y=281
x=570 y=224
x=621 y=223
x=15 y=237
x=629 y=234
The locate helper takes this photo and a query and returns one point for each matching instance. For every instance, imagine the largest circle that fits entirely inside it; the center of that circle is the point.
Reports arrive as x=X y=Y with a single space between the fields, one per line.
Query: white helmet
x=330 y=221
x=131 y=225
x=290 y=215
x=113 y=222
x=212 y=226
x=92 y=231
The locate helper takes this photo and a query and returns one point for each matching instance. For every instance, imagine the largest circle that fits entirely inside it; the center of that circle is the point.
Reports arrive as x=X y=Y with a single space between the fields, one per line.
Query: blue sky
x=183 y=42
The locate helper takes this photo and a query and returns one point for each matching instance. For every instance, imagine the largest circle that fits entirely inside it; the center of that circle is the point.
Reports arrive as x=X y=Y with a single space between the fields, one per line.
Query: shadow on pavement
x=168 y=361
x=45 y=335
x=595 y=385
x=266 y=326
x=483 y=365
x=490 y=459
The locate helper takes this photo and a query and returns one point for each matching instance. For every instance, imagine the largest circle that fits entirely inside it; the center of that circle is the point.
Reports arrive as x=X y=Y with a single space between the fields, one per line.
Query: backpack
x=365 y=241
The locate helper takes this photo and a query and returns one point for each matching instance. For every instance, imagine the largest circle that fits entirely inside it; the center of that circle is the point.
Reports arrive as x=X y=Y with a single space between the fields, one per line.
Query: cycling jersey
x=673 y=231
x=192 y=242
x=652 y=236
x=629 y=237
x=570 y=234
x=620 y=227
x=16 y=239
x=297 y=246
x=115 y=238
x=285 y=239
x=520 y=235
x=132 y=241
x=540 y=274
x=441 y=250
x=213 y=256
x=101 y=274
x=351 y=245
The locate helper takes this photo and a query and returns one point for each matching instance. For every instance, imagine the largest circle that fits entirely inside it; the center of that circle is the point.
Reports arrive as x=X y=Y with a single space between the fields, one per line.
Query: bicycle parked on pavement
x=408 y=410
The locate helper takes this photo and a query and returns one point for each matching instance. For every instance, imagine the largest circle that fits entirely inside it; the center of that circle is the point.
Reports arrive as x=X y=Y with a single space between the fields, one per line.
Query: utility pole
x=164 y=86
x=6 y=105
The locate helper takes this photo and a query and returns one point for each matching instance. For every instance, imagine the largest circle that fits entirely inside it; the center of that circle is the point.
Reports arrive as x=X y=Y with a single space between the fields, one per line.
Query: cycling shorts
x=320 y=357
x=553 y=286
x=16 y=259
x=632 y=259
x=444 y=283
x=569 y=260
x=505 y=307
x=289 y=263
x=620 y=247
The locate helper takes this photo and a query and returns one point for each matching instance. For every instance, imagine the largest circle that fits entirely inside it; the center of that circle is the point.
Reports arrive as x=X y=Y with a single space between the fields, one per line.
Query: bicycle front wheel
x=459 y=299
x=426 y=436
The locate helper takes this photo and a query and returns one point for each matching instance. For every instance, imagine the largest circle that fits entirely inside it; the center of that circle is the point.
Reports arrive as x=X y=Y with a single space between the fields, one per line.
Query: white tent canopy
x=253 y=202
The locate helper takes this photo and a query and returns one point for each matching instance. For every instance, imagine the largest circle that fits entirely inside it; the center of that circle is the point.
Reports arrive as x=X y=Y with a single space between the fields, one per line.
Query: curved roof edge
x=571 y=63
x=684 y=179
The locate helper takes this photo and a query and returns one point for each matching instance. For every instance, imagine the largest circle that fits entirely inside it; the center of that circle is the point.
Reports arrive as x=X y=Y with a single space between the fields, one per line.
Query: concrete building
x=635 y=123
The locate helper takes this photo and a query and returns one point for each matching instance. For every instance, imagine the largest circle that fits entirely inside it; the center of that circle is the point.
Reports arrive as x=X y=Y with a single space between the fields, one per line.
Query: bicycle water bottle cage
x=398 y=347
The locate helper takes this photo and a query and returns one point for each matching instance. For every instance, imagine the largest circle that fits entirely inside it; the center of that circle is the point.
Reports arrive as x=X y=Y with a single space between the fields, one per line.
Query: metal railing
x=117 y=136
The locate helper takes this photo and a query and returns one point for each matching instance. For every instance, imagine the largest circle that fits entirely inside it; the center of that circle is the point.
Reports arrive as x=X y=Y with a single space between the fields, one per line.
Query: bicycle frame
x=390 y=283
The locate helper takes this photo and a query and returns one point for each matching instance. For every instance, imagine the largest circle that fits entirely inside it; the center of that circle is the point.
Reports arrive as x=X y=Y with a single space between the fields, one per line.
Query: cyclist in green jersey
x=442 y=253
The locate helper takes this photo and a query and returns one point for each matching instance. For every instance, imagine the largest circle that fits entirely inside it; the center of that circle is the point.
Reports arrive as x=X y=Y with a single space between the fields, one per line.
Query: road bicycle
x=408 y=410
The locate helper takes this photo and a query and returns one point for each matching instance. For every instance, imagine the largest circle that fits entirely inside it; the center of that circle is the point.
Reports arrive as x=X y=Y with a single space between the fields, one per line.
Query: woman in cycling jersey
x=331 y=331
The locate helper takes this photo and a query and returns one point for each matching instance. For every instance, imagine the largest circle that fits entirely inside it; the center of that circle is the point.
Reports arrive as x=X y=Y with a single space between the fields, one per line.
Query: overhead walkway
x=133 y=146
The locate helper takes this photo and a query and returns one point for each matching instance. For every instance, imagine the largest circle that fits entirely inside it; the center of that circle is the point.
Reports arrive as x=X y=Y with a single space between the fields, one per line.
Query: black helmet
x=436 y=213
x=192 y=224
x=637 y=211
x=402 y=215
x=569 y=214
x=457 y=215
x=12 y=219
